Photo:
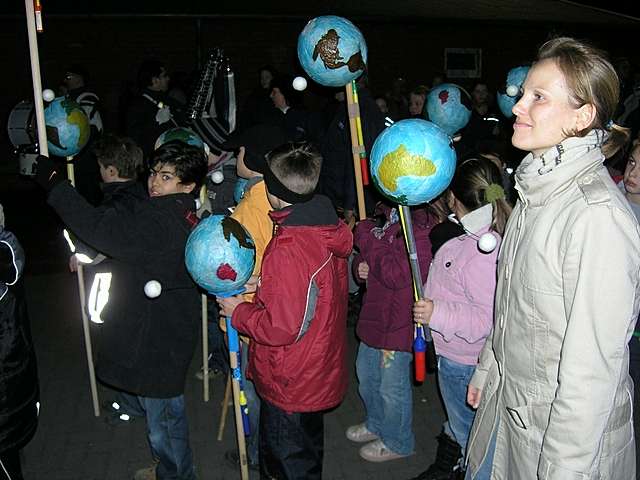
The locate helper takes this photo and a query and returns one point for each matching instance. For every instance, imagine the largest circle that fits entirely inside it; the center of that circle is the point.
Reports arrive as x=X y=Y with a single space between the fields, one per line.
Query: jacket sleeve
x=362 y=238
x=277 y=316
x=11 y=258
x=600 y=270
x=470 y=320
x=117 y=233
x=486 y=360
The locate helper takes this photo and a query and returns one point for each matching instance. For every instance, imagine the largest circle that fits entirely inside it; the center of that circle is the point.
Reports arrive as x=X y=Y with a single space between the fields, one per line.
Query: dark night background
x=405 y=38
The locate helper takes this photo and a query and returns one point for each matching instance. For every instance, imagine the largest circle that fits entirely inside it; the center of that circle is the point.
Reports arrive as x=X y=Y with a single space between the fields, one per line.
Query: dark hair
x=591 y=79
x=284 y=83
x=149 y=69
x=490 y=146
x=420 y=90
x=190 y=162
x=267 y=68
x=471 y=185
x=296 y=165
x=122 y=153
x=80 y=70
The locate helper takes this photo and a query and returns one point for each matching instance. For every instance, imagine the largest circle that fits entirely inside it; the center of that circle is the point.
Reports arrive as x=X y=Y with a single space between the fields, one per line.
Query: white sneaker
x=377 y=452
x=148 y=473
x=359 y=433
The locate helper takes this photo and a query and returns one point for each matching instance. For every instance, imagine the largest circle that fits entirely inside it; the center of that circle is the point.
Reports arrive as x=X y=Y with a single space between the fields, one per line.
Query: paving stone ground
x=72 y=444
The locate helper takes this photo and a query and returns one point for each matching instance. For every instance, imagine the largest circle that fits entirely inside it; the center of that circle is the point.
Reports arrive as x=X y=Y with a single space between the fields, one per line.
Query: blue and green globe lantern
x=220 y=256
x=333 y=52
x=182 y=134
x=67 y=127
x=412 y=162
x=511 y=94
x=449 y=107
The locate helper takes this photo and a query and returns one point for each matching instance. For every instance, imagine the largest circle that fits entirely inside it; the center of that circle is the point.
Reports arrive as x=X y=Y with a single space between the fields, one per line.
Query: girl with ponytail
x=459 y=295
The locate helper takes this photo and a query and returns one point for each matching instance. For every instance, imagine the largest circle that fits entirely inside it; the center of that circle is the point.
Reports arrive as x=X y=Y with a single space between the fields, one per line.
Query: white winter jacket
x=554 y=373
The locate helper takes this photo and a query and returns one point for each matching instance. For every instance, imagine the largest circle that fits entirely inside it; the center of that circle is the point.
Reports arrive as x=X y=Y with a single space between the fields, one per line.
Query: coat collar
x=317 y=211
x=539 y=180
x=478 y=219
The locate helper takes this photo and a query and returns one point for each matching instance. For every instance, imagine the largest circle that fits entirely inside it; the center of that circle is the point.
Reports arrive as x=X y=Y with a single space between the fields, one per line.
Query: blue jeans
x=385 y=389
x=453 y=380
x=253 y=404
x=168 y=435
x=291 y=444
x=484 y=472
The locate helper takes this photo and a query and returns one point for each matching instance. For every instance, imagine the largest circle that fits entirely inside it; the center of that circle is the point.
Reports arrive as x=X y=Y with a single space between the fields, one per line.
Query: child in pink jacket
x=459 y=295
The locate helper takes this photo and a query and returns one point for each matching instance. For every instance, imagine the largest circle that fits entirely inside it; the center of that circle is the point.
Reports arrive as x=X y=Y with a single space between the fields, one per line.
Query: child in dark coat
x=147 y=343
x=119 y=161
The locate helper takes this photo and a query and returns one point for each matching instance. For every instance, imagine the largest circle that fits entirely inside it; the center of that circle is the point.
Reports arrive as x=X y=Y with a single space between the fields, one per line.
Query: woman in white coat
x=552 y=386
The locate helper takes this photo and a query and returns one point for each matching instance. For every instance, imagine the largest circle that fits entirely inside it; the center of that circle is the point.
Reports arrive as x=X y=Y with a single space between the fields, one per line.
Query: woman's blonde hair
x=591 y=79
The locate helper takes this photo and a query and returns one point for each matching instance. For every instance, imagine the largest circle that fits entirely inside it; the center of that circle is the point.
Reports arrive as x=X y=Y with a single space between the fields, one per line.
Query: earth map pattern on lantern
x=67 y=127
x=412 y=161
x=220 y=255
x=332 y=51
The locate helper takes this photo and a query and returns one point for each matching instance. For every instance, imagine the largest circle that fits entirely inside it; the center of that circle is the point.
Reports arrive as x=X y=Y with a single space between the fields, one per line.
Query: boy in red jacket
x=297 y=321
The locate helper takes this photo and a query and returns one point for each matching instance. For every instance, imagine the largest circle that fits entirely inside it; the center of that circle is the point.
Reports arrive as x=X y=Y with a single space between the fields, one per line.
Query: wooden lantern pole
x=34 y=21
x=357 y=148
x=205 y=327
x=83 y=312
x=239 y=400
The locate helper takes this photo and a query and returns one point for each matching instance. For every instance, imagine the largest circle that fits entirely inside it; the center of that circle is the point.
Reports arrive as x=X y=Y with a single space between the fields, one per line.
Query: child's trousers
x=453 y=380
x=168 y=435
x=384 y=378
x=291 y=444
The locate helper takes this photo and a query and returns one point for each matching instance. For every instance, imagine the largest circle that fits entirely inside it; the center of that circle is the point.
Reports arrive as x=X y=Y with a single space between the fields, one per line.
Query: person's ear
x=585 y=115
x=187 y=187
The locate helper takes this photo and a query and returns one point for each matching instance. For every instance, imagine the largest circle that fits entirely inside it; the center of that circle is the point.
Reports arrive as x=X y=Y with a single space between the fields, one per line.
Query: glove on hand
x=46 y=175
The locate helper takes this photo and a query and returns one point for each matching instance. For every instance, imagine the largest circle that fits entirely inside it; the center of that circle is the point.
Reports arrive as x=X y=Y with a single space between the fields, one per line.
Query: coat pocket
x=527 y=423
x=619 y=432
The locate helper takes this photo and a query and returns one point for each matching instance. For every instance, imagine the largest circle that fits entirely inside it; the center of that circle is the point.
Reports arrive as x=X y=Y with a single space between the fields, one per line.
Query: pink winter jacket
x=462 y=284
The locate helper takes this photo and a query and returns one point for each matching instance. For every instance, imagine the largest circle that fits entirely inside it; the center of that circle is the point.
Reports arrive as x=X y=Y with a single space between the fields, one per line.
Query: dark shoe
x=114 y=416
x=459 y=474
x=353 y=309
x=112 y=408
x=445 y=466
x=115 y=419
x=232 y=459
